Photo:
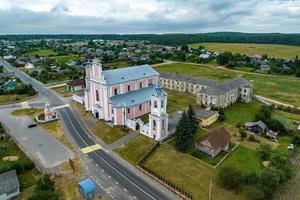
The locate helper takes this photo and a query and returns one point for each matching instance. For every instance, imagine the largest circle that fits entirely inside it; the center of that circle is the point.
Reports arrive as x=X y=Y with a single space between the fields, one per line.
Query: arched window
x=154 y=125
x=163 y=124
x=162 y=104
x=155 y=104
x=97 y=95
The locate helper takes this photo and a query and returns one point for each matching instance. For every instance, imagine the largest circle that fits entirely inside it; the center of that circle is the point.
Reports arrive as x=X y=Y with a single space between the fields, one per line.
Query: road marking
x=116 y=182
x=102 y=170
x=62 y=106
x=134 y=197
x=90 y=149
x=121 y=174
x=124 y=189
x=24 y=104
x=109 y=176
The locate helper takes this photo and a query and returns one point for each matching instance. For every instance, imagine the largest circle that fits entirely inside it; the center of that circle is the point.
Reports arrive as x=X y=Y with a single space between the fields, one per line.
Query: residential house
x=9 y=85
x=206 y=117
x=75 y=85
x=71 y=63
x=214 y=142
x=256 y=59
x=9 y=185
x=204 y=54
x=265 y=66
x=258 y=127
x=29 y=65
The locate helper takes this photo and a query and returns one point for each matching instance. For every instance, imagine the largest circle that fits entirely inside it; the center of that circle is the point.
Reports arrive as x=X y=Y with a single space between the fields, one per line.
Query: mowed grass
x=244 y=159
x=109 y=134
x=289 y=120
x=179 y=101
x=62 y=90
x=12 y=98
x=42 y=52
x=133 y=150
x=188 y=173
x=31 y=112
x=272 y=50
x=281 y=88
x=117 y=64
x=241 y=112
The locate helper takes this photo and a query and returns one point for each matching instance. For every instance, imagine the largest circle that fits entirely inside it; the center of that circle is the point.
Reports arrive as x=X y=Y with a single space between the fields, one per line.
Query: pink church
x=119 y=94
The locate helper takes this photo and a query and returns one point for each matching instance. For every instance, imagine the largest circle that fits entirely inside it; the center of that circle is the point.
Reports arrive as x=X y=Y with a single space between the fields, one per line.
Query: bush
x=265 y=151
x=255 y=193
x=230 y=177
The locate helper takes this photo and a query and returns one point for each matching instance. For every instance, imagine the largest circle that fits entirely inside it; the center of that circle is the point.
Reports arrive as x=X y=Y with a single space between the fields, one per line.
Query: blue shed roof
x=122 y=75
x=132 y=98
x=87 y=185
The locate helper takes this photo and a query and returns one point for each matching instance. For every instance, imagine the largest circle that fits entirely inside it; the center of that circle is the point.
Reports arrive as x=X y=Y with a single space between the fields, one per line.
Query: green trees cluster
x=20 y=89
x=265 y=115
x=44 y=190
x=257 y=185
x=186 y=130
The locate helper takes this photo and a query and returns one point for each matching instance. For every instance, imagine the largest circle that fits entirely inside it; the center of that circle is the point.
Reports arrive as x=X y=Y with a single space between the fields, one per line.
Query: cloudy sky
x=148 y=16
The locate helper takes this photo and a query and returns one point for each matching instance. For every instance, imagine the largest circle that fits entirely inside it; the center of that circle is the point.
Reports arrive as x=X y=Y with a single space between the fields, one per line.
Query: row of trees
x=20 y=90
x=186 y=130
x=179 y=39
x=44 y=190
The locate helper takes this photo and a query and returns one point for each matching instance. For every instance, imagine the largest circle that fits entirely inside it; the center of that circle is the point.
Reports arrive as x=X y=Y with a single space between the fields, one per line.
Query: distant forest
x=180 y=39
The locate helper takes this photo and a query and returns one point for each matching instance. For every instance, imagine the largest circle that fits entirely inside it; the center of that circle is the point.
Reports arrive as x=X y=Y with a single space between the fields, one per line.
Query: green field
x=188 y=173
x=289 y=120
x=282 y=88
x=42 y=52
x=133 y=150
x=180 y=101
x=241 y=112
x=272 y=50
x=117 y=64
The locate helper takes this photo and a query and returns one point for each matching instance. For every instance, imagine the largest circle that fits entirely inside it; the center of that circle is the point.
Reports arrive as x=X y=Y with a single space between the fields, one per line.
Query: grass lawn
x=11 y=98
x=117 y=64
x=273 y=50
x=245 y=159
x=281 y=88
x=241 y=112
x=188 y=173
x=31 y=112
x=133 y=150
x=289 y=120
x=179 y=101
x=42 y=52
x=63 y=59
x=109 y=134
x=62 y=91
x=247 y=69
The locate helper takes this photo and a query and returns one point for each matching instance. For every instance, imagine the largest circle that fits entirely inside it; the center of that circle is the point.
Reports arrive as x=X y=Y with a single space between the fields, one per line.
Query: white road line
x=102 y=170
x=134 y=197
x=109 y=176
x=97 y=165
x=62 y=106
x=116 y=182
x=124 y=189
x=107 y=162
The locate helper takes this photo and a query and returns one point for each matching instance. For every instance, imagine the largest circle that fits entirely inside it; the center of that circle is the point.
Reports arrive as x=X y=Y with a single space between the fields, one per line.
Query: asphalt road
x=138 y=187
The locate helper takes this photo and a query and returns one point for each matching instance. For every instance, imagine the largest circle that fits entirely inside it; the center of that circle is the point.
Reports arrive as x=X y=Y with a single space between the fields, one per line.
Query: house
x=258 y=127
x=206 y=117
x=204 y=54
x=86 y=188
x=265 y=66
x=29 y=65
x=256 y=59
x=75 y=85
x=71 y=63
x=9 y=185
x=214 y=142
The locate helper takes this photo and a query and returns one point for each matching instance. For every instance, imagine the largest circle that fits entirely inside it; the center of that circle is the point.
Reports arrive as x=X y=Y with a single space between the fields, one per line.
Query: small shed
x=87 y=188
x=9 y=185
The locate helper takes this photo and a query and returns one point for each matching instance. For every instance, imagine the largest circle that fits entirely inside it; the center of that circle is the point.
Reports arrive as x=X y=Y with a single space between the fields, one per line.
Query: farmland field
x=272 y=50
x=66 y=58
x=42 y=52
x=281 y=88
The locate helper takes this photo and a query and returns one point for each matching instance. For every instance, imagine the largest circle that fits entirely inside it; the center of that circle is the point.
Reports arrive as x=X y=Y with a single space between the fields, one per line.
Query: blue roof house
x=87 y=188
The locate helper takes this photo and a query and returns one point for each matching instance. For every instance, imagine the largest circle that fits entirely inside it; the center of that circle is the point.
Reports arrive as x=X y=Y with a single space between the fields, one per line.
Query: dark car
x=32 y=125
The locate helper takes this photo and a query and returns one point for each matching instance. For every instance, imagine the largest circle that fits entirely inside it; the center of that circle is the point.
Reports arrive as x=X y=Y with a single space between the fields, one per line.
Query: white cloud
x=142 y=16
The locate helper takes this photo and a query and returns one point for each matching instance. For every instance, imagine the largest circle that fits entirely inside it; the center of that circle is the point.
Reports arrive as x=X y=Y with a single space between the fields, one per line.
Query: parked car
x=32 y=125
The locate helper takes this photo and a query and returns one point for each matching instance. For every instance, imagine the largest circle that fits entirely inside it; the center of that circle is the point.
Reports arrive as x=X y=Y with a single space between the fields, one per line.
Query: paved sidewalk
x=122 y=140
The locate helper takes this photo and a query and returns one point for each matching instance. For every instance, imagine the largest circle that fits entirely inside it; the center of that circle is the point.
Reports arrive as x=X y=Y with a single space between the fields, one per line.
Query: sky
x=148 y=16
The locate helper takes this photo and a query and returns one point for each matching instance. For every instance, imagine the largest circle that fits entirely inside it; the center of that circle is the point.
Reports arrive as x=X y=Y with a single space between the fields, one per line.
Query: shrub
x=230 y=177
x=265 y=151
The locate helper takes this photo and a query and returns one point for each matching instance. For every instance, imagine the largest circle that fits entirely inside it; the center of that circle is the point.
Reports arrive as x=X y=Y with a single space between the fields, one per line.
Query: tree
x=192 y=120
x=224 y=58
x=183 y=134
x=265 y=151
x=243 y=134
x=185 y=48
x=298 y=72
x=230 y=177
